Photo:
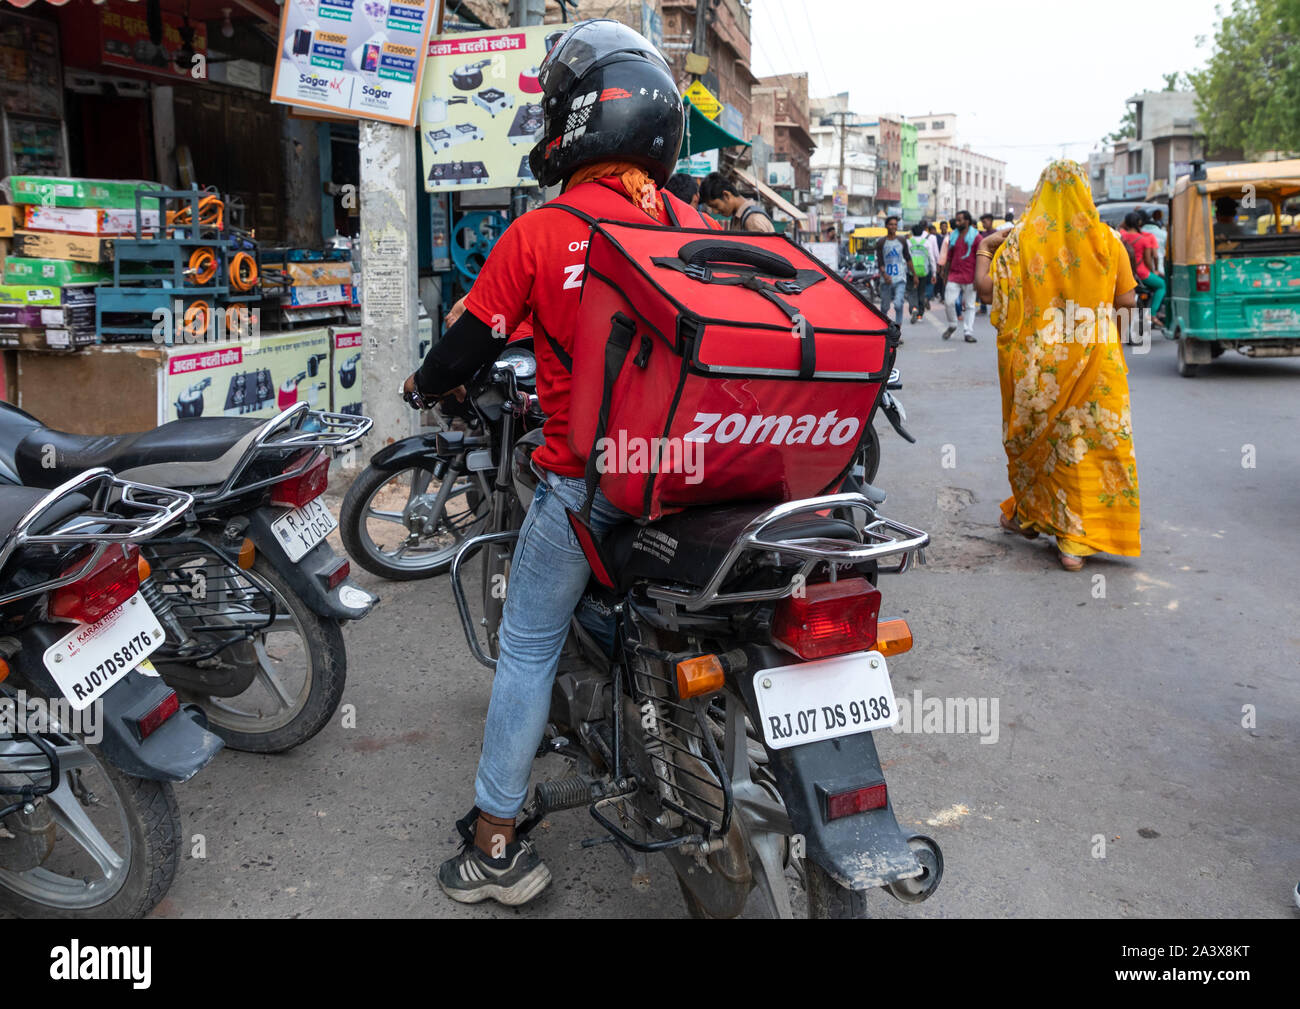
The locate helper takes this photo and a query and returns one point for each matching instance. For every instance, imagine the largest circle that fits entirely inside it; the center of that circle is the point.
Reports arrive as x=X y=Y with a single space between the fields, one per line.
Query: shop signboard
x=480 y=108
x=1136 y=185
x=839 y=202
x=702 y=98
x=698 y=165
x=125 y=41
x=1115 y=188
x=652 y=25
x=359 y=58
x=731 y=120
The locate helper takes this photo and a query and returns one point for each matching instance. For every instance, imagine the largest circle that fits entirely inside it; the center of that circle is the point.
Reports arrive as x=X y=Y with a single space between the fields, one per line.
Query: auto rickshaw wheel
x=1185 y=367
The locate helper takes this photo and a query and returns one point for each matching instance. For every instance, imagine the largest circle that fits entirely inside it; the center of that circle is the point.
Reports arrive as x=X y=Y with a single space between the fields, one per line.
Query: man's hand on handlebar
x=418 y=401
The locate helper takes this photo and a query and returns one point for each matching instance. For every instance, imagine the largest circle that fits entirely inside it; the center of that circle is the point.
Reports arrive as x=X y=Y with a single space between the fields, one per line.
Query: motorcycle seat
x=15 y=502
x=688 y=546
x=183 y=453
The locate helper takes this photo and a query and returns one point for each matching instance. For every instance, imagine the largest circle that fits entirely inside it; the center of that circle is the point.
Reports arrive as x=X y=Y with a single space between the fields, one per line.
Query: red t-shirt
x=534 y=273
x=1137 y=241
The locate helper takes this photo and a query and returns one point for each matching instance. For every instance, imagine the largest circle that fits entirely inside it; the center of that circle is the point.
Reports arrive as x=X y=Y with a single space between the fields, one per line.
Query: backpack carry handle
x=707 y=251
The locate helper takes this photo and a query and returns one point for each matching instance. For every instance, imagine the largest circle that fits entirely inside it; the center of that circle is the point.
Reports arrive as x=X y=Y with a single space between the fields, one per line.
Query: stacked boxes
x=46 y=317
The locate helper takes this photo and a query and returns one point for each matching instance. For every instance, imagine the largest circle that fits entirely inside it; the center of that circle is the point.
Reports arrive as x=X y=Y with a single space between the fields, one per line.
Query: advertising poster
x=480 y=107
x=236 y=380
x=358 y=58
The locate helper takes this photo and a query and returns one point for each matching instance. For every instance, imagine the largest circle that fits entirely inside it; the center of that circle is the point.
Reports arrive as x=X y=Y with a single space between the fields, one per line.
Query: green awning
x=703 y=134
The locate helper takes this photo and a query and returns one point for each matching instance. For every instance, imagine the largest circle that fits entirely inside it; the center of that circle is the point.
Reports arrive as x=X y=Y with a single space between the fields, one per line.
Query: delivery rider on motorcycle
x=613 y=123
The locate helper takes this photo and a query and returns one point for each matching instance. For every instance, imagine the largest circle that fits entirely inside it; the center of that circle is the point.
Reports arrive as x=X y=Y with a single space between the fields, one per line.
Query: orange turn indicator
x=893 y=637
x=700 y=675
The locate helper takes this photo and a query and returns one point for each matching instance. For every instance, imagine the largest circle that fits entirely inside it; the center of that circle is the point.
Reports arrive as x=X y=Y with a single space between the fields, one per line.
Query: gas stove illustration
x=527 y=127
x=494 y=100
x=250 y=391
x=450 y=173
x=452 y=135
x=526 y=171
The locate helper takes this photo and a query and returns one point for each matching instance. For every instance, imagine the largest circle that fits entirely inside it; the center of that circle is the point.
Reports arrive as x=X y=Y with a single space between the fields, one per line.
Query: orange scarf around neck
x=640 y=188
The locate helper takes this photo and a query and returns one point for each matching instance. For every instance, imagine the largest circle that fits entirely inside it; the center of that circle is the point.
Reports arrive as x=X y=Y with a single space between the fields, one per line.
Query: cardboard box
x=319 y=274
x=69 y=339
x=151 y=384
x=49 y=245
x=21 y=270
x=345 y=370
x=81 y=318
x=87 y=220
x=48 y=295
x=10 y=217
x=51 y=191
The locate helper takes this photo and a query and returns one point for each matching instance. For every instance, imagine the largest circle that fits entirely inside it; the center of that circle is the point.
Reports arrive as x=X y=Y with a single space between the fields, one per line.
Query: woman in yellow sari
x=1066 y=426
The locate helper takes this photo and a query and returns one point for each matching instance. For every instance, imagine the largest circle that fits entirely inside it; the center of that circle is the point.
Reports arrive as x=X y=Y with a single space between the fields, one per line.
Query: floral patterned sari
x=1066 y=424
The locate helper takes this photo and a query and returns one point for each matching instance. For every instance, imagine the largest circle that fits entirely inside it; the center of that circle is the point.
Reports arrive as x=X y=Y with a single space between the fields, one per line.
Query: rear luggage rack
x=882 y=537
x=286 y=431
x=140 y=511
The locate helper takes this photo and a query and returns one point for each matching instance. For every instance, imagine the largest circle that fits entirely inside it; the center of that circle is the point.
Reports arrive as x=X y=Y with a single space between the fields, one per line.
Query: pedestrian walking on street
x=932 y=243
x=895 y=269
x=961 y=276
x=918 y=249
x=1066 y=422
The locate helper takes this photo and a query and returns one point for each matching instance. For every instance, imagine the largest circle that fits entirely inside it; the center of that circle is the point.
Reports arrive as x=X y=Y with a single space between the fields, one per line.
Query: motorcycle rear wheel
x=827 y=899
x=295 y=718
x=145 y=836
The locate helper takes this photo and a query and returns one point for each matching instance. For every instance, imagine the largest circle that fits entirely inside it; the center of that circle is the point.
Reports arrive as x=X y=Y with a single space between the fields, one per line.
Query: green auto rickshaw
x=1234 y=262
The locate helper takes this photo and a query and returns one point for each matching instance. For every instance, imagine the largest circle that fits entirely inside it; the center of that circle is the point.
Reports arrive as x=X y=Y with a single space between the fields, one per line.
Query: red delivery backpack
x=713 y=366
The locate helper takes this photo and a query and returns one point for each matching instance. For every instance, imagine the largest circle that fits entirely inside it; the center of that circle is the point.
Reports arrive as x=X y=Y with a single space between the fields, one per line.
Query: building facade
x=829 y=128
x=885 y=136
x=779 y=110
x=957 y=178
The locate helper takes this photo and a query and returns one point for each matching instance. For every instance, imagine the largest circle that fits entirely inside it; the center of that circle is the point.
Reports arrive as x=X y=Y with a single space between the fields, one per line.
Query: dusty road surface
x=1138 y=751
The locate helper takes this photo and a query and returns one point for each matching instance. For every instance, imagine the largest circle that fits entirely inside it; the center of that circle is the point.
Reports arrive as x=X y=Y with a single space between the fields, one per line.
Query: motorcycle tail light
x=113 y=580
x=1203 y=277
x=158 y=714
x=830 y=618
x=698 y=676
x=306 y=486
x=893 y=637
x=856 y=800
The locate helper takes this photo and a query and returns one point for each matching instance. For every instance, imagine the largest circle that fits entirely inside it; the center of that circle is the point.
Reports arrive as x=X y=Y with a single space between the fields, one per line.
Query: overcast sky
x=1064 y=69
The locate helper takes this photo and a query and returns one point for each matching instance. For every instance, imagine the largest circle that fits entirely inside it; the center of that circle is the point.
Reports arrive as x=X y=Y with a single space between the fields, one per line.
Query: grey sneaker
x=949 y=331
x=471 y=876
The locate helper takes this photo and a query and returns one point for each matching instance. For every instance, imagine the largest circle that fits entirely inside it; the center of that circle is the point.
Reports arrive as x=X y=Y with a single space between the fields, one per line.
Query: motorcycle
x=251 y=596
x=865 y=276
x=718 y=692
x=420 y=498
x=867 y=464
x=91 y=739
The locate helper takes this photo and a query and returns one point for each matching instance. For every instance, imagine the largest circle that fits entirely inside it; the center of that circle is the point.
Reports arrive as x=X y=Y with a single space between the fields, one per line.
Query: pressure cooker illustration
x=470 y=76
x=190 y=402
x=348 y=371
x=288 y=394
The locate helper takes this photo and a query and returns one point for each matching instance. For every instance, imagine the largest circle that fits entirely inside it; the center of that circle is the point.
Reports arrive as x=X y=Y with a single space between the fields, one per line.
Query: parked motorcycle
x=718 y=692
x=865 y=276
x=89 y=825
x=420 y=498
x=868 y=462
x=251 y=597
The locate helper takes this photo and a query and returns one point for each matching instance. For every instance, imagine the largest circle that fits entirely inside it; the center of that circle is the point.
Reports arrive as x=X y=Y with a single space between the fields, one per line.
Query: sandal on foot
x=1069 y=561
x=1011 y=527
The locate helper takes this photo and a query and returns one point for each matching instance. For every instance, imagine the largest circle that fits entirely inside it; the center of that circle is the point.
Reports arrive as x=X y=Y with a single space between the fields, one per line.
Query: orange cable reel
x=197 y=317
x=243 y=271
x=203 y=265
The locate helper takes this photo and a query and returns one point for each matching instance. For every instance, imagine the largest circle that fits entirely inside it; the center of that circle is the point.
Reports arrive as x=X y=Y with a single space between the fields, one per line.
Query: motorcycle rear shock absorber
x=161 y=604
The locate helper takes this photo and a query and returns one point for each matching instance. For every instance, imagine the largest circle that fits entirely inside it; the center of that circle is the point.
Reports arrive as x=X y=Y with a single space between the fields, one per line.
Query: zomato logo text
x=777 y=429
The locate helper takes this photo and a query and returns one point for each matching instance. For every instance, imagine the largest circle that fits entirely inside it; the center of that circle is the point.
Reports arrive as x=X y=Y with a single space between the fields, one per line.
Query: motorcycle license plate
x=825 y=699
x=301 y=529
x=93 y=657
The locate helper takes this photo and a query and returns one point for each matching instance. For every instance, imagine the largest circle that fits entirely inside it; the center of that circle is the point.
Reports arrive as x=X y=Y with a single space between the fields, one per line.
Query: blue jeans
x=893 y=292
x=547 y=578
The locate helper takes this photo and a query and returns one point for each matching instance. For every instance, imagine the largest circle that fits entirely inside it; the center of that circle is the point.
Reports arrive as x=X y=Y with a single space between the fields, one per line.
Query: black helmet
x=606 y=94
